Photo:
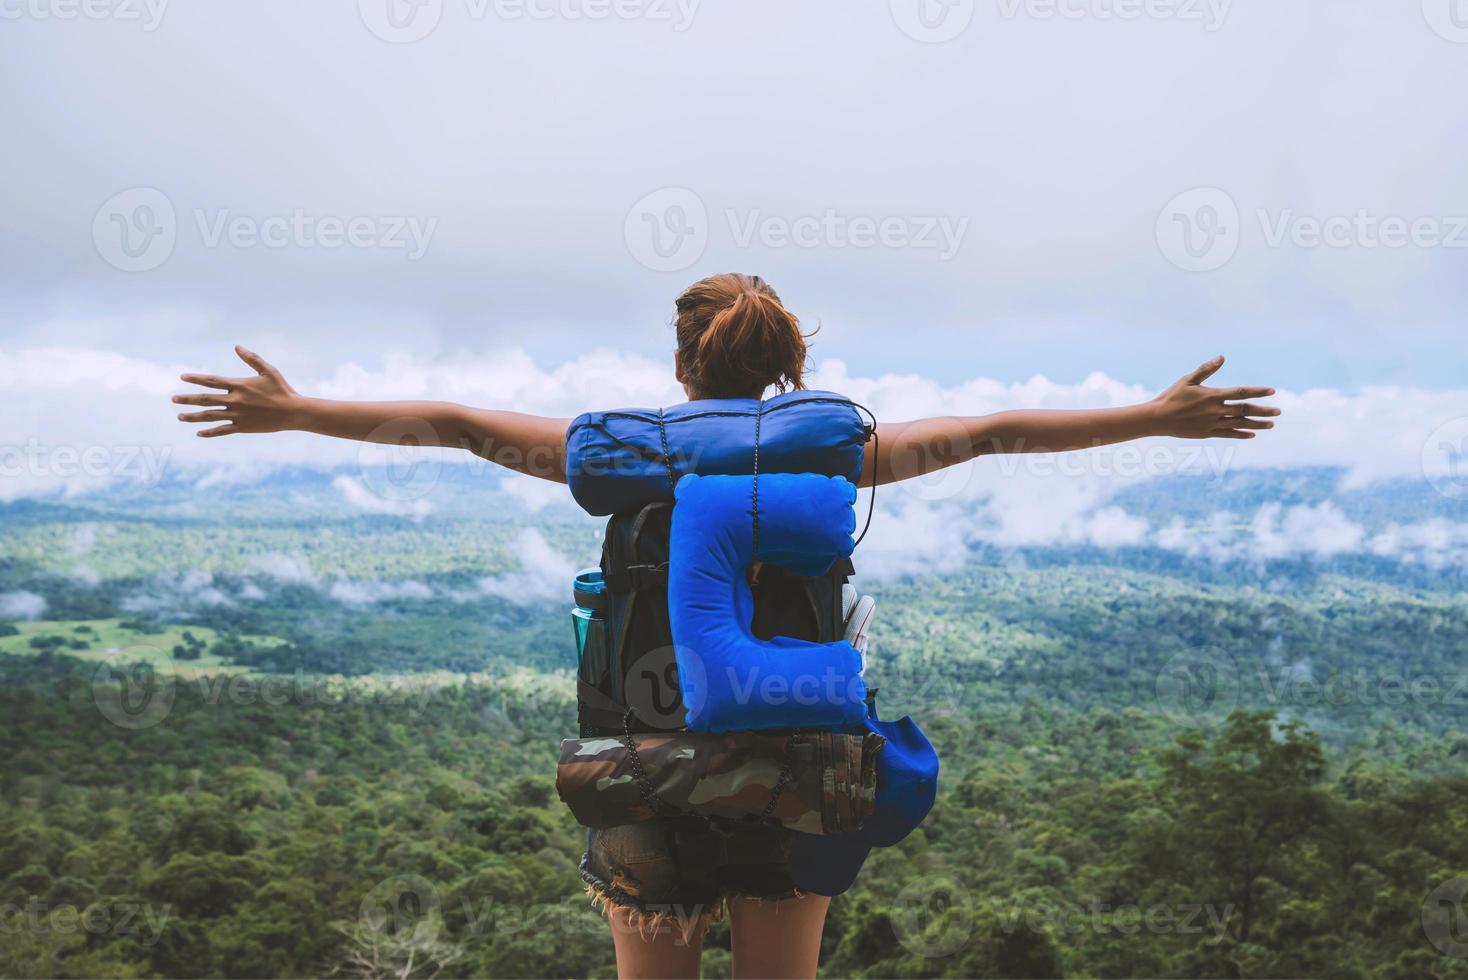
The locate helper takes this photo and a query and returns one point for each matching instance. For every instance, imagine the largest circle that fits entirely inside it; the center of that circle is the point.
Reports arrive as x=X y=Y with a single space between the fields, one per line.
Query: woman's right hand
x=262 y=403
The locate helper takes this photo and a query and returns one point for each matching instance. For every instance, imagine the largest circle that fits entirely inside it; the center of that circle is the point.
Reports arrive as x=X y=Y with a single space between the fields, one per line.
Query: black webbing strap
x=597 y=708
x=637 y=577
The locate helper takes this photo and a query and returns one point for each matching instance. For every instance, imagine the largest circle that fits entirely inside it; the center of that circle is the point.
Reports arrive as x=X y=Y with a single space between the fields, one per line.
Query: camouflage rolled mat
x=831 y=787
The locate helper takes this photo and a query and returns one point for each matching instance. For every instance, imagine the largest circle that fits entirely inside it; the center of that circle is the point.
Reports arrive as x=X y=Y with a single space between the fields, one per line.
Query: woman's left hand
x=1188 y=410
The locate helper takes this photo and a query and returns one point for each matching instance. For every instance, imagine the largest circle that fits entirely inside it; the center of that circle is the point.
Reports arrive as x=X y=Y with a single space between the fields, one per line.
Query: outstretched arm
x=1187 y=410
x=265 y=402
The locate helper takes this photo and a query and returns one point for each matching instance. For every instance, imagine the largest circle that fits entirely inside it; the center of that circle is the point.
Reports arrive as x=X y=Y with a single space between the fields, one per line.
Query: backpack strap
x=596 y=708
x=633 y=578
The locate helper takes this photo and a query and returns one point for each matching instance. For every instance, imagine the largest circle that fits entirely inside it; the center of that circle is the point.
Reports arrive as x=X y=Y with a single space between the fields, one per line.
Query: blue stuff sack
x=730 y=679
x=625 y=459
x=907 y=785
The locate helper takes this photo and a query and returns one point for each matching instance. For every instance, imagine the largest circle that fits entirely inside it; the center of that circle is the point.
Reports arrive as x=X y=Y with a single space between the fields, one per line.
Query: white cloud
x=1320 y=531
x=911 y=537
x=49 y=446
x=363 y=592
x=361 y=498
x=1113 y=527
x=533 y=493
x=21 y=605
x=1433 y=543
x=284 y=568
x=176 y=594
x=84 y=574
x=83 y=539
x=544 y=573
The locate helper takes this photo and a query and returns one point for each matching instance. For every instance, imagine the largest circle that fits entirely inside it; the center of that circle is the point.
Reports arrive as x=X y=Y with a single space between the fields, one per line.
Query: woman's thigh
x=777 y=939
x=661 y=952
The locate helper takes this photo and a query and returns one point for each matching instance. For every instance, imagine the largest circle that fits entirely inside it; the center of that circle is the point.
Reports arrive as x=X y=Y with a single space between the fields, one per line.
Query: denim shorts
x=685 y=870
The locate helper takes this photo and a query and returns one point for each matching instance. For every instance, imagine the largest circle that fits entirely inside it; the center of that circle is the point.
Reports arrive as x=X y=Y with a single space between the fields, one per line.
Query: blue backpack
x=729 y=670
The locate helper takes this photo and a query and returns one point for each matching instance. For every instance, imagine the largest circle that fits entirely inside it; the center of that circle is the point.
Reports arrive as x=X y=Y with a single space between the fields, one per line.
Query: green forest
x=278 y=742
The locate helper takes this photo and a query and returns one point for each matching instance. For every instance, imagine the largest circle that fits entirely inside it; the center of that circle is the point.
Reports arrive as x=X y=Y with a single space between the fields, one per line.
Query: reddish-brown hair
x=735 y=338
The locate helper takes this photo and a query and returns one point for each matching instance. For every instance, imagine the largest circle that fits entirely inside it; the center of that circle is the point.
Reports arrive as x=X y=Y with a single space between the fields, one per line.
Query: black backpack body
x=636 y=688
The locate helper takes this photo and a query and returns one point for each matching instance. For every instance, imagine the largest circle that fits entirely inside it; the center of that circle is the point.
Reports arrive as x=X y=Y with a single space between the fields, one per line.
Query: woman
x=735 y=340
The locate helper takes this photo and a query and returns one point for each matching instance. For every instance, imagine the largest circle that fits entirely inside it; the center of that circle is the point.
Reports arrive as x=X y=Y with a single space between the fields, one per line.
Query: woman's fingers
x=214 y=416
x=205 y=399
x=1234 y=422
x=1234 y=394
x=212 y=381
x=254 y=360
x=1231 y=434
x=1205 y=371
x=220 y=430
x=1249 y=408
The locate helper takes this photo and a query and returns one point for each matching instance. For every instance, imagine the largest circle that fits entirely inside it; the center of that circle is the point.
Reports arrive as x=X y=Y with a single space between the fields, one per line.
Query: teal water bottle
x=589 y=617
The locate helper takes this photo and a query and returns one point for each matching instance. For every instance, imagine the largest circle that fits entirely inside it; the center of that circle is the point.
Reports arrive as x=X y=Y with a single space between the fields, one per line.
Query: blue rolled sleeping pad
x=733 y=681
x=621 y=460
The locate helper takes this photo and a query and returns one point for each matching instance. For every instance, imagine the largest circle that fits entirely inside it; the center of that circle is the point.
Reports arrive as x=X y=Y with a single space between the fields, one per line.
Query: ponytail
x=735 y=338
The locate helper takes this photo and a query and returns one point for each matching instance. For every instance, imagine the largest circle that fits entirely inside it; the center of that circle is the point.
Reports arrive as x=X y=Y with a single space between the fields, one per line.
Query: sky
x=984 y=205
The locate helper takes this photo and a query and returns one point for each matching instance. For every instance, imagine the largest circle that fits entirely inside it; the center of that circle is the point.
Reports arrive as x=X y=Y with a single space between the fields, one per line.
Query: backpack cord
x=639 y=775
x=667 y=459
x=754 y=483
